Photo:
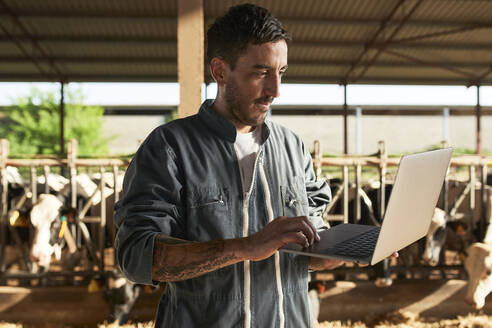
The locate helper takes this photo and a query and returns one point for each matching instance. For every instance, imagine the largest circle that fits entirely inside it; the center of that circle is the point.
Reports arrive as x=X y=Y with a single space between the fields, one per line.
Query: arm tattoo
x=176 y=259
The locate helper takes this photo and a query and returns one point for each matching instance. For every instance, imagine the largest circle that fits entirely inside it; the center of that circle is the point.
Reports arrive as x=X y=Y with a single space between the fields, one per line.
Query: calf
x=478 y=265
x=121 y=295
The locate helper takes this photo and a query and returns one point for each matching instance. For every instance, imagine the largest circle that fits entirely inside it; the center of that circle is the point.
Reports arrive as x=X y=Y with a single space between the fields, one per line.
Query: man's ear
x=219 y=70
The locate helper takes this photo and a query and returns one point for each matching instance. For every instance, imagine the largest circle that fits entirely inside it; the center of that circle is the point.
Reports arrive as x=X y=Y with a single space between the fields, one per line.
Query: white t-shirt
x=247 y=146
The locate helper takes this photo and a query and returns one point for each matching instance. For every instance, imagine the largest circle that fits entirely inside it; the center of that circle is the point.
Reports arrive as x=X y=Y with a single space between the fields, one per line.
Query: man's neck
x=219 y=106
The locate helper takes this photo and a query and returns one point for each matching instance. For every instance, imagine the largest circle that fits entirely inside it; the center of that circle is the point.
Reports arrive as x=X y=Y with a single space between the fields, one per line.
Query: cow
x=45 y=218
x=478 y=265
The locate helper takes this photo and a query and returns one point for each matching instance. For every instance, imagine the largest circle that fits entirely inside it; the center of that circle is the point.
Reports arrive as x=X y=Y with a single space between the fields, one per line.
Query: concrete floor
x=76 y=307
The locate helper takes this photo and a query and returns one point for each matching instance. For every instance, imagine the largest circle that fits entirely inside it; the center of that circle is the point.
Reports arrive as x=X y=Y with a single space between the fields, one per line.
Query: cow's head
x=44 y=215
x=435 y=238
x=478 y=264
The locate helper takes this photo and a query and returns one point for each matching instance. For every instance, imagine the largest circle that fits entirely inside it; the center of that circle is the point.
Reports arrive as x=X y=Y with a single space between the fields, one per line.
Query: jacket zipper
x=218 y=201
x=247 y=273
x=277 y=256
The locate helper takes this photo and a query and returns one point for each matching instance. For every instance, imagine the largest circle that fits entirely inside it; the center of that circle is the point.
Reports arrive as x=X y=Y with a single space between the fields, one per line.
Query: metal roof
x=334 y=41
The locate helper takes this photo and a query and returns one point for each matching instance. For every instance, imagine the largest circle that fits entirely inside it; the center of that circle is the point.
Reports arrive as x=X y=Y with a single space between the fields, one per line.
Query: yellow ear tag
x=63 y=226
x=14 y=217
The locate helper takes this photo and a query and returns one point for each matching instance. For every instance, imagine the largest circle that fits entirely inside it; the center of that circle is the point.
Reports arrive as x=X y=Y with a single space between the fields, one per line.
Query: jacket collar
x=223 y=127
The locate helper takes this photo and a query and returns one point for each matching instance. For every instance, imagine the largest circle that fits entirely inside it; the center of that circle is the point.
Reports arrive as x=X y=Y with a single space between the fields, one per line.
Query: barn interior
x=352 y=42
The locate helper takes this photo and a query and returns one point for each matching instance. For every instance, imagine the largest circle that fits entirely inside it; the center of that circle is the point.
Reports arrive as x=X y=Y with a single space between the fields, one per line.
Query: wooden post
x=116 y=194
x=345 y=120
x=46 y=172
x=358 y=172
x=317 y=159
x=483 y=196
x=383 y=156
x=102 y=226
x=62 y=120
x=72 y=151
x=345 y=178
x=479 y=115
x=445 y=188
x=4 y=152
x=190 y=56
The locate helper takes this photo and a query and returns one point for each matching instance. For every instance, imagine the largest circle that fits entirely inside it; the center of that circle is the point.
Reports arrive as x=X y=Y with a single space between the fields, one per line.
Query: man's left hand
x=317 y=263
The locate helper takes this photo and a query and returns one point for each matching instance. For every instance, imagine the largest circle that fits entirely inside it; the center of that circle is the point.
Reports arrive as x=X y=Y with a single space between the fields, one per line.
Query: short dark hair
x=230 y=35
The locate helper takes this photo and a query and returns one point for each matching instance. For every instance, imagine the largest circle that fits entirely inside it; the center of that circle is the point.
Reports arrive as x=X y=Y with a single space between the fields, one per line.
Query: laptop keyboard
x=359 y=246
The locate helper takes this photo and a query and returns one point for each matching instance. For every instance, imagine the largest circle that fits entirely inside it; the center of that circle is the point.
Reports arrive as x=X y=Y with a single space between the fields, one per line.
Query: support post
x=34 y=185
x=479 y=115
x=445 y=187
x=190 y=56
x=102 y=226
x=383 y=156
x=358 y=130
x=4 y=151
x=345 y=178
x=62 y=120
x=445 y=124
x=46 y=173
x=317 y=159
x=345 y=119
x=358 y=173
x=483 y=195
x=71 y=162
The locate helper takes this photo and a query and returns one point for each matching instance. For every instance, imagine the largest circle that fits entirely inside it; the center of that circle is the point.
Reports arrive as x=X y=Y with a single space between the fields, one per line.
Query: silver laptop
x=408 y=216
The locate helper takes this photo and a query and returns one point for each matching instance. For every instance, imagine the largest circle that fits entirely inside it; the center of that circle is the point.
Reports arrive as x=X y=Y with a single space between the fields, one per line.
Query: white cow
x=478 y=264
x=43 y=214
x=435 y=238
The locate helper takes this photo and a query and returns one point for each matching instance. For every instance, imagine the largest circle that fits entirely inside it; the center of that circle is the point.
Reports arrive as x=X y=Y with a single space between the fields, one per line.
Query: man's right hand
x=281 y=231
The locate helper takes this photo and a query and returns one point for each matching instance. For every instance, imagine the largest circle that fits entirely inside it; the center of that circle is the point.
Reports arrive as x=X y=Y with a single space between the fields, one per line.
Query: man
x=210 y=199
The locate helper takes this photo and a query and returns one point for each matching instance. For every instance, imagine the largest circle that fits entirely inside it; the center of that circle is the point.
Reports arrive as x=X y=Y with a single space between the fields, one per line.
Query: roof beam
x=94 y=60
x=122 y=77
x=293 y=62
x=469 y=27
x=372 y=40
x=432 y=64
x=381 y=80
x=395 y=44
x=389 y=39
x=94 y=39
x=34 y=43
x=76 y=77
x=172 y=18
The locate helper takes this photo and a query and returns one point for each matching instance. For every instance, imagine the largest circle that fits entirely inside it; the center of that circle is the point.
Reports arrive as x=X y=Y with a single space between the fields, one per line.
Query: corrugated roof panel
x=114 y=7
x=455 y=10
x=9 y=49
x=412 y=72
x=322 y=53
x=326 y=31
x=310 y=8
x=134 y=69
x=328 y=36
x=109 y=49
x=315 y=70
x=94 y=27
x=450 y=55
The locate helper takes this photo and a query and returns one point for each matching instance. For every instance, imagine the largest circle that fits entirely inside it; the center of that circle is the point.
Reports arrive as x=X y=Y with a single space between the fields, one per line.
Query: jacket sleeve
x=151 y=204
x=318 y=193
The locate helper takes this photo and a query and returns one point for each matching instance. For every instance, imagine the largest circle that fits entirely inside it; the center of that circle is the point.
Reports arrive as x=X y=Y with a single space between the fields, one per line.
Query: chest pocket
x=209 y=213
x=294 y=198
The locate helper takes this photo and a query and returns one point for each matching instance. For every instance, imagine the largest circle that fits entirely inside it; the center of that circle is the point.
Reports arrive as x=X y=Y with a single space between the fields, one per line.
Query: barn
x=56 y=219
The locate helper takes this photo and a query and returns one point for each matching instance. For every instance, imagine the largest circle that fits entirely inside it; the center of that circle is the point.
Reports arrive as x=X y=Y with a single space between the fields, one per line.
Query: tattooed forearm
x=177 y=259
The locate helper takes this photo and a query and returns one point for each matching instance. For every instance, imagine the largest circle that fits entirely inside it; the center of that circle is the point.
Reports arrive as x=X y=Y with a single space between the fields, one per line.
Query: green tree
x=32 y=124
